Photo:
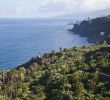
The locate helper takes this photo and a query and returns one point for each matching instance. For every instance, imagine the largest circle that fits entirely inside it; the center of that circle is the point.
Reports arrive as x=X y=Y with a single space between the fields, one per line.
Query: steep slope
x=78 y=73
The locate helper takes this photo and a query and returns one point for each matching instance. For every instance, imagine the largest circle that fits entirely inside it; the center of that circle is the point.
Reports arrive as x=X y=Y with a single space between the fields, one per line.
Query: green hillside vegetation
x=91 y=28
x=107 y=40
x=78 y=73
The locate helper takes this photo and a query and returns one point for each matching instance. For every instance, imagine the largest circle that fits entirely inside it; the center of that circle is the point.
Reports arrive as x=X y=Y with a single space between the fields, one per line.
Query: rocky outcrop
x=95 y=30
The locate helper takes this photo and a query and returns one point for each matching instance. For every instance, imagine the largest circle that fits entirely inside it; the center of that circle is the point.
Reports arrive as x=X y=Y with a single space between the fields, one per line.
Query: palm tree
x=22 y=73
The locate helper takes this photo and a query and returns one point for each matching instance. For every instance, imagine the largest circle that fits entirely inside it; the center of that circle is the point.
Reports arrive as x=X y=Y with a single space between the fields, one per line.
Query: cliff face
x=95 y=29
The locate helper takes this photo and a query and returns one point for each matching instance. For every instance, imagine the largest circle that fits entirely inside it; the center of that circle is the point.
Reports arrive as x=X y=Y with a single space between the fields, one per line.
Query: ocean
x=22 y=39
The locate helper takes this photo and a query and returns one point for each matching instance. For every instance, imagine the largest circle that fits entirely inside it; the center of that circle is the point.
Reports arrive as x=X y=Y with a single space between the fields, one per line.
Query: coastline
x=95 y=30
x=92 y=38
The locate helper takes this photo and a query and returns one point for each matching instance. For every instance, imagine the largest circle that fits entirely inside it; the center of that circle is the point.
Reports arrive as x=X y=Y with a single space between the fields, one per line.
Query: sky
x=48 y=8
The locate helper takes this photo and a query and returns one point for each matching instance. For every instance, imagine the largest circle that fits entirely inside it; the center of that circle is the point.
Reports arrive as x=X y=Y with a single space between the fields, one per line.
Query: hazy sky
x=48 y=8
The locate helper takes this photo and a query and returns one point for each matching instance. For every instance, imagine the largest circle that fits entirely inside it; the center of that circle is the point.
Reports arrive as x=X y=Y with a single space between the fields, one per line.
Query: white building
x=102 y=33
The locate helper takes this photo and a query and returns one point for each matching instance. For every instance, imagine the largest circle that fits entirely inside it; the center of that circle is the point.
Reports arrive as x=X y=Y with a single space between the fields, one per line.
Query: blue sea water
x=21 y=39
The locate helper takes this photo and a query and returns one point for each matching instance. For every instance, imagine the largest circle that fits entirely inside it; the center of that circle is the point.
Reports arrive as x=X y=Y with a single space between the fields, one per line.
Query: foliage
x=78 y=73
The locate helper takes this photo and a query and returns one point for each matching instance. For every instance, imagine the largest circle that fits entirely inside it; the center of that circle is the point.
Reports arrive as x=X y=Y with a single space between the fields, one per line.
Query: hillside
x=95 y=30
x=78 y=73
x=107 y=40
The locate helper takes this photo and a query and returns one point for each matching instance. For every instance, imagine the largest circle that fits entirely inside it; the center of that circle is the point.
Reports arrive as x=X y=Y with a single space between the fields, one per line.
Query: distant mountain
x=83 y=15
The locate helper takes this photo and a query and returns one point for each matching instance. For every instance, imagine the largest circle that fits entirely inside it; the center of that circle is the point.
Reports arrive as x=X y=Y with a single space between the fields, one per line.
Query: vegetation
x=78 y=73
